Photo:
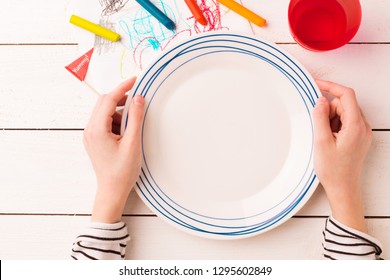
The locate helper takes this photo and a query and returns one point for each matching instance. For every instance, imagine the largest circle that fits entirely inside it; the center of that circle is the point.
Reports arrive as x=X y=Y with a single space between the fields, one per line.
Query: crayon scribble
x=112 y=6
x=109 y=7
x=102 y=45
x=143 y=37
x=140 y=26
x=212 y=13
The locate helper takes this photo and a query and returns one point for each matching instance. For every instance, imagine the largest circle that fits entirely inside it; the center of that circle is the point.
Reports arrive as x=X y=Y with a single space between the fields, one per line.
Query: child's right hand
x=116 y=159
x=342 y=138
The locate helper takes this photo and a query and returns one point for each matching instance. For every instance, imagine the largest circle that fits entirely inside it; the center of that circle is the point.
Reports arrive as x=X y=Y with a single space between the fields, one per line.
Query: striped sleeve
x=101 y=241
x=341 y=242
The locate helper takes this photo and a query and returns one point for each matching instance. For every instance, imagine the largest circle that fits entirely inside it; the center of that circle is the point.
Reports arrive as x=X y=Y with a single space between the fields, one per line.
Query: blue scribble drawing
x=143 y=35
x=143 y=25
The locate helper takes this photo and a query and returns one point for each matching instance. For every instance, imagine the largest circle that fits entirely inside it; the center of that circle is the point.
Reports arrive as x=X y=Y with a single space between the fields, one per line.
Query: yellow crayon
x=244 y=12
x=94 y=28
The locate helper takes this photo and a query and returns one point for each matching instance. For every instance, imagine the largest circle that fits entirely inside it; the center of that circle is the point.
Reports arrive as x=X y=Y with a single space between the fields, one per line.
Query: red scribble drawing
x=145 y=39
x=139 y=49
x=212 y=13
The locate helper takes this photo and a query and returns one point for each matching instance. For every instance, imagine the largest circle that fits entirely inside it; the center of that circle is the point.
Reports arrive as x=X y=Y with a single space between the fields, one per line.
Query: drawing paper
x=142 y=36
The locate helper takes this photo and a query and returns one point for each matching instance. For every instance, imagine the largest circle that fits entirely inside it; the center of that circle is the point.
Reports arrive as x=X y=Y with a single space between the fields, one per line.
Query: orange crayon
x=195 y=10
x=244 y=12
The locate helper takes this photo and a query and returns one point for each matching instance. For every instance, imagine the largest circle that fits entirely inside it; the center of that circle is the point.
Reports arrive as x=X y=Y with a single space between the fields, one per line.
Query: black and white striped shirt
x=108 y=242
x=101 y=242
x=344 y=243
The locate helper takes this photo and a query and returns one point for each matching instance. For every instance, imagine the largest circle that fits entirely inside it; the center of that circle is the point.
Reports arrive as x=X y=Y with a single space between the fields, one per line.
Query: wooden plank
x=375 y=182
x=37 y=91
x=38 y=237
x=53 y=98
x=362 y=67
x=49 y=172
x=46 y=21
x=41 y=21
x=295 y=239
x=50 y=237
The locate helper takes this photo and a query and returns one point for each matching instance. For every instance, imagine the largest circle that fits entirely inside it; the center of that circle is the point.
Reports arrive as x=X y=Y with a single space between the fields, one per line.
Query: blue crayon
x=155 y=12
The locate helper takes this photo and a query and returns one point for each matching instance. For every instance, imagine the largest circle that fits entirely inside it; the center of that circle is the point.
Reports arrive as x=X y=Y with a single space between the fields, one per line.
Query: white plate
x=227 y=136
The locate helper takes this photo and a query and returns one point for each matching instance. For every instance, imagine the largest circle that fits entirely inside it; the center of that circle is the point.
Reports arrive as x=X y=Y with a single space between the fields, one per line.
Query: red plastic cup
x=322 y=25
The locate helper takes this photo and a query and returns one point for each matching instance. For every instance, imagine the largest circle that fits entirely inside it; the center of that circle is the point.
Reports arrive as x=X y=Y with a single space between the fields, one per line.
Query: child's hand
x=115 y=159
x=342 y=138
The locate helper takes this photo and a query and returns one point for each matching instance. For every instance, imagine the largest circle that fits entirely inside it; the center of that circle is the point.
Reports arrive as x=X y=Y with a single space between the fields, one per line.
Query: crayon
x=244 y=12
x=94 y=28
x=196 y=12
x=155 y=12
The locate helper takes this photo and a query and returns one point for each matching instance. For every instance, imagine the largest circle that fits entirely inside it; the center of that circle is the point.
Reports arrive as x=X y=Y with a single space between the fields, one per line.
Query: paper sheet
x=142 y=36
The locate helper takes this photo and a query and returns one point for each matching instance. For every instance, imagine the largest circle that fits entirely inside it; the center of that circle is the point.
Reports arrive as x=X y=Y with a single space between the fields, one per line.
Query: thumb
x=322 y=130
x=132 y=133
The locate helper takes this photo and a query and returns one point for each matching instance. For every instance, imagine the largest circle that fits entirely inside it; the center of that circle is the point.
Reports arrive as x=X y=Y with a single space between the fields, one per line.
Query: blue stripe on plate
x=156 y=76
x=150 y=174
x=301 y=83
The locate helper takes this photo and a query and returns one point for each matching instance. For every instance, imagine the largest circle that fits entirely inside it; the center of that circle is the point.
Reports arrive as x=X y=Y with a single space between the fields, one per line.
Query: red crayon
x=195 y=10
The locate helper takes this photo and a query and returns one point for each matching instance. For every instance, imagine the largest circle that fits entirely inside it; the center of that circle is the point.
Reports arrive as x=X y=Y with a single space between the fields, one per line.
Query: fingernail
x=138 y=100
x=321 y=100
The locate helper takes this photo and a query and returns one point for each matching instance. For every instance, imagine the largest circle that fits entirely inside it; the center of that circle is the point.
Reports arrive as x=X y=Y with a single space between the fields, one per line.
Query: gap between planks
x=154 y=216
x=39 y=44
x=70 y=215
x=42 y=129
x=76 y=44
x=81 y=129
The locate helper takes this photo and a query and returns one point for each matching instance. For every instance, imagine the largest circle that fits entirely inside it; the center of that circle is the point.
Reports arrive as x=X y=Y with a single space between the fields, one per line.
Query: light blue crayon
x=155 y=12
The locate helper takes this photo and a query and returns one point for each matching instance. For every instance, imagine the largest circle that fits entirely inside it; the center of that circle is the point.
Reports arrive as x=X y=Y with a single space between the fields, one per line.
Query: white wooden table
x=47 y=184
